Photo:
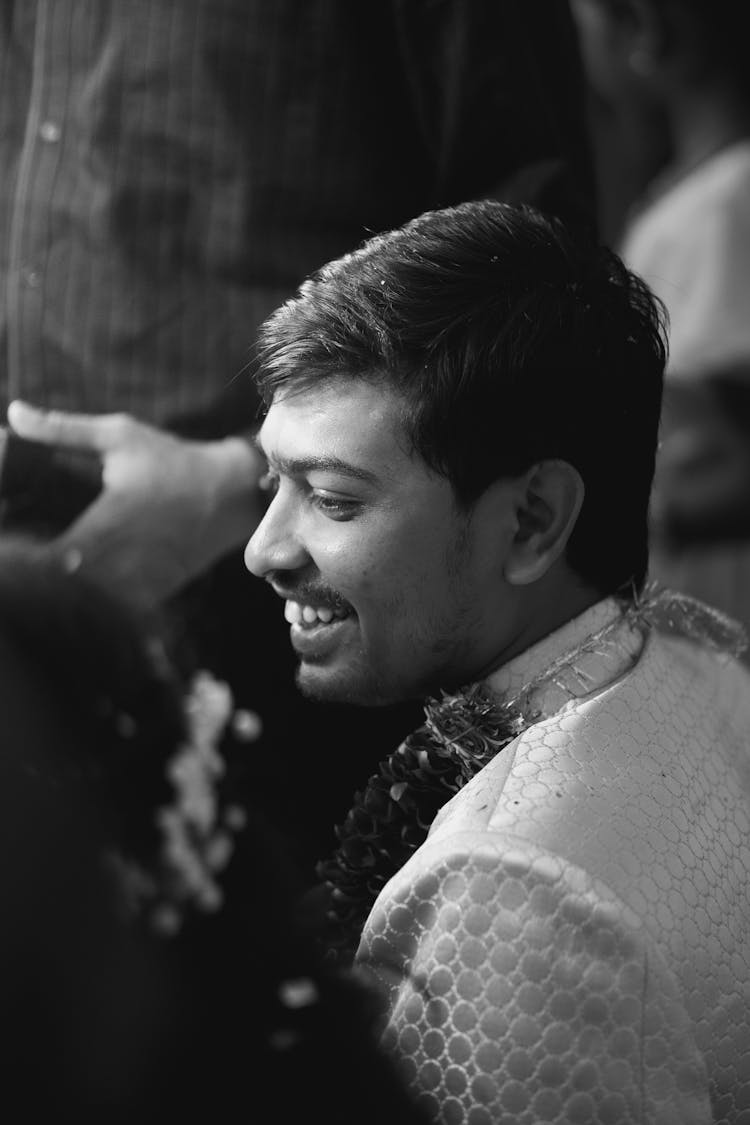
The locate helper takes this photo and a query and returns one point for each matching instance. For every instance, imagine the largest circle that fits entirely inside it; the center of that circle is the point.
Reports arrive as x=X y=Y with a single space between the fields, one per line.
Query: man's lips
x=308 y=605
x=315 y=631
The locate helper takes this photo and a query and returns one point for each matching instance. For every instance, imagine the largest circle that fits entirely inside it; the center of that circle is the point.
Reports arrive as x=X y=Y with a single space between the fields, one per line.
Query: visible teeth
x=297 y=614
x=293 y=613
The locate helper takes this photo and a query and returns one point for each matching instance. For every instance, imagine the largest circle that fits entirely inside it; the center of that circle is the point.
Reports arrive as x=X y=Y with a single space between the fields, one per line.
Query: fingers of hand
x=99 y=432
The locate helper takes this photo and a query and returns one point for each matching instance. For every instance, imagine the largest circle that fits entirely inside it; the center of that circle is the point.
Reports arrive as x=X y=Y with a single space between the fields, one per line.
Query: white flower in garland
x=197 y=834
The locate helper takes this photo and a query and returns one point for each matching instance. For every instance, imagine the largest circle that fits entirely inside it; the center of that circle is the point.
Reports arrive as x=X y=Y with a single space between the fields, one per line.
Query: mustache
x=313 y=593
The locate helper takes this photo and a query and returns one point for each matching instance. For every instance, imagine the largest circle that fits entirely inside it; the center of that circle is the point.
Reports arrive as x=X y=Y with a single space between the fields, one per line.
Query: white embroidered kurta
x=572 y=941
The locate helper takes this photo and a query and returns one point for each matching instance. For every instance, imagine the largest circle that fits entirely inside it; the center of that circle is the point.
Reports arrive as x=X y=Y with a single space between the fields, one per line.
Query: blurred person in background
x=678 y=68
x=171 y=170
x=152 y=967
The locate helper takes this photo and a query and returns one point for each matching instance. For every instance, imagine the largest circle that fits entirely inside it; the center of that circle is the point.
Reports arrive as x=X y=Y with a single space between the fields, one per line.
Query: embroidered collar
x=509 y=679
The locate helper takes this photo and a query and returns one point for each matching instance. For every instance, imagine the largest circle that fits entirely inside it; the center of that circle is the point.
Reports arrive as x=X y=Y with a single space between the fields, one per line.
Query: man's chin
x=323 y=685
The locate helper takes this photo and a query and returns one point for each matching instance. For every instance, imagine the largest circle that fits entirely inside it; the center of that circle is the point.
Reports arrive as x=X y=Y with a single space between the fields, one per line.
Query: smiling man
x=553 y=872
x=394 y=588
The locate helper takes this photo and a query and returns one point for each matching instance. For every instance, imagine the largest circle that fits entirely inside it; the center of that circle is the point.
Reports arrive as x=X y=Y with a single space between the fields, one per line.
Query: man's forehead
x=351 y=426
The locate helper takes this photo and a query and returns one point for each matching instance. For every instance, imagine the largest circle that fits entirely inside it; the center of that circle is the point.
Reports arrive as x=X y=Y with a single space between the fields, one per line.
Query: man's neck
x=547 y=610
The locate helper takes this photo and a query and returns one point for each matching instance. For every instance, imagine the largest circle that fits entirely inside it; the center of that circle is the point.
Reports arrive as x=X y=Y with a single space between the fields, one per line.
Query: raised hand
x=168 y=509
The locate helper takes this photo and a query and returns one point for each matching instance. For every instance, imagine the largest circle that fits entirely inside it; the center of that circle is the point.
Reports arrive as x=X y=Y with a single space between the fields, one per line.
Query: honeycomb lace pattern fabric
x=571 y=943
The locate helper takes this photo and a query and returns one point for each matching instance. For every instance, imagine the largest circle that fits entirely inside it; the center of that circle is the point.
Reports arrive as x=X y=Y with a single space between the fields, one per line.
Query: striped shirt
x=172 y=169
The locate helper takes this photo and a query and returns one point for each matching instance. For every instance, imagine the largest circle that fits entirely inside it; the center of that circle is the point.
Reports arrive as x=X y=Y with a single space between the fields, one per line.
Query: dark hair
x=116 y=699
x=512 y=341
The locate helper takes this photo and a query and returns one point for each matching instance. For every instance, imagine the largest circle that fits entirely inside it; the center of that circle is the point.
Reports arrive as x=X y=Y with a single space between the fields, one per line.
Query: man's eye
x=332 y=505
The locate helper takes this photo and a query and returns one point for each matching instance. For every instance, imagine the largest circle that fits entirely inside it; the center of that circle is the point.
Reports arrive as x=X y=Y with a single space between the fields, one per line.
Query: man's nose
x=274 y=544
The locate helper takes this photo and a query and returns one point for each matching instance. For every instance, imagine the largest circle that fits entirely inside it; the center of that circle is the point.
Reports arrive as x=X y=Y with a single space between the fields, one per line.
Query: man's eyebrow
x=298 y=466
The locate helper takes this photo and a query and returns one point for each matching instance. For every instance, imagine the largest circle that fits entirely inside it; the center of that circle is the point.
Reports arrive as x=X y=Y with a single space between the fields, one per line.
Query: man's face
x=391 y=590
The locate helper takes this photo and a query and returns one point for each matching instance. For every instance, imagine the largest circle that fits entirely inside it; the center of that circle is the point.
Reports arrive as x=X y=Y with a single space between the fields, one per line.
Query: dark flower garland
x=391 y=817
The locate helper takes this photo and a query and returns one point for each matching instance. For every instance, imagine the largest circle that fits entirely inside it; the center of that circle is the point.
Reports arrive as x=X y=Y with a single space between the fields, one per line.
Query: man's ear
x=550 y=496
